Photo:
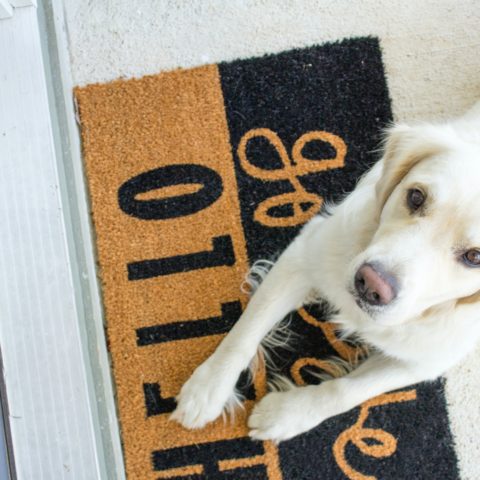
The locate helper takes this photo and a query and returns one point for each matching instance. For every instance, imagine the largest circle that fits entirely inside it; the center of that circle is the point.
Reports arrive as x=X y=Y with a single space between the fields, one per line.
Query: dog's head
x=425 y=250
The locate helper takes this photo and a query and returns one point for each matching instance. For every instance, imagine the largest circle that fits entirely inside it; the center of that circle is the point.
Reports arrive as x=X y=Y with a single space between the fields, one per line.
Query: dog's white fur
x=430 y=326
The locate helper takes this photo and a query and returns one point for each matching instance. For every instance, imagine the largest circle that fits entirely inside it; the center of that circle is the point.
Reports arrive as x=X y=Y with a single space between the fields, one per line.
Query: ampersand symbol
x=304 y=204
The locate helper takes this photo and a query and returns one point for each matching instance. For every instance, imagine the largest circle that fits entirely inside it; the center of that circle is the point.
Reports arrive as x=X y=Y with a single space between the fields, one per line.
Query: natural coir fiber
x=195 y=174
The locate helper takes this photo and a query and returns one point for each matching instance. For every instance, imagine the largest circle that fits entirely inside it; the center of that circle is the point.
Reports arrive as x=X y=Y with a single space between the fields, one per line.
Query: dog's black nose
x=374 y=285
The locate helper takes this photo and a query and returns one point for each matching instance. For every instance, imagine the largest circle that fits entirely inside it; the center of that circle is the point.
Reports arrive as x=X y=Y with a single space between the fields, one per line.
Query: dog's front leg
x=212 y=385
x=283 y=415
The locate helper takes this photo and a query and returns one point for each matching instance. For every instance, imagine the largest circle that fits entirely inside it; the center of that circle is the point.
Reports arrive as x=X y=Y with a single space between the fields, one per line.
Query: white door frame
x=62 y=416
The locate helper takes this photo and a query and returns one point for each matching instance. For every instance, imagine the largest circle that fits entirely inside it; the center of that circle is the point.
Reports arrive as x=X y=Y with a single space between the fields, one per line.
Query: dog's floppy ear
x=404 y=147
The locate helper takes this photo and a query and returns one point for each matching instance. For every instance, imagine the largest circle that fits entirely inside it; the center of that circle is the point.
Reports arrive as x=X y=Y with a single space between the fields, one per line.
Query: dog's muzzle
x=375 y=286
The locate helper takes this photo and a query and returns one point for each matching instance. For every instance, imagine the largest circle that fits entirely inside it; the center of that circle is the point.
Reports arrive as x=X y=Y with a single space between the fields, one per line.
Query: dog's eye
x=415 y=199
x=472 y=258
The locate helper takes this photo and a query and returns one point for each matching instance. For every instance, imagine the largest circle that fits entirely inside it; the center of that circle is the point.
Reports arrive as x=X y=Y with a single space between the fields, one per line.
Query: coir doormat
x=193 y=175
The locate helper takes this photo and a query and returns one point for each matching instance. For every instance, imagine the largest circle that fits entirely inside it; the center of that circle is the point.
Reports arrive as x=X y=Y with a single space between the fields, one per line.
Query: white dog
x=400 y=260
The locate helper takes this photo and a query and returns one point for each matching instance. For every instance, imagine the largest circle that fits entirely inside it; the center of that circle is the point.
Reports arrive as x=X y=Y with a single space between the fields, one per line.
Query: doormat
x=195 y=174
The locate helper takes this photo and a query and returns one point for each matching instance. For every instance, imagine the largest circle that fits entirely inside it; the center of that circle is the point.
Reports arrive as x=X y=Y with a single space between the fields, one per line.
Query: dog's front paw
x=203 y=397
x=282 y=415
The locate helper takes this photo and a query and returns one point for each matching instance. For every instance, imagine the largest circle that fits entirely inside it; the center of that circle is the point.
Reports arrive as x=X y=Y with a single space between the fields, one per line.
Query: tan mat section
x=133 y=127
